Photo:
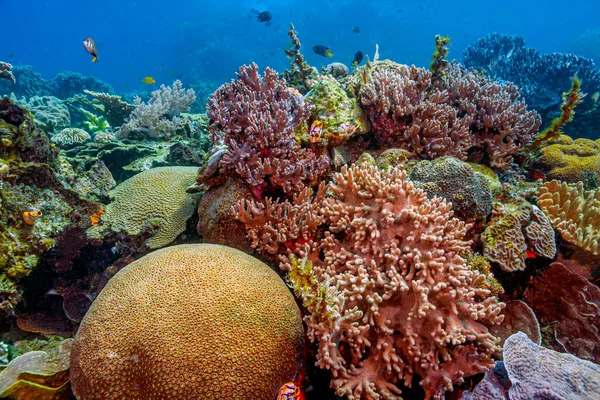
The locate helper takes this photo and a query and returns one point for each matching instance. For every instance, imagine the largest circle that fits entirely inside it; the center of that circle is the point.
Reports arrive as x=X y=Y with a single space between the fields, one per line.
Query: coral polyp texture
x=461 y=115
x=255 y=117
x=189 y=322
x=154 y=200
x=403 y=302
x=71 y=137
x=574 y=213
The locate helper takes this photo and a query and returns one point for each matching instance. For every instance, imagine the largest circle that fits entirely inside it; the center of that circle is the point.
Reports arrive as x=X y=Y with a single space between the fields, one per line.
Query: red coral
x=255 y=117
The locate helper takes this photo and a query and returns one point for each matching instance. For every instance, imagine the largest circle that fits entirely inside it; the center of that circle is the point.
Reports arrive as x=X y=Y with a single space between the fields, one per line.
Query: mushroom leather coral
x=189 y=322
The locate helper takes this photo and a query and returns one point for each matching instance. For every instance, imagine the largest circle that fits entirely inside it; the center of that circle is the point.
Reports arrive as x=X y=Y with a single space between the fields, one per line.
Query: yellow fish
x=149 y=80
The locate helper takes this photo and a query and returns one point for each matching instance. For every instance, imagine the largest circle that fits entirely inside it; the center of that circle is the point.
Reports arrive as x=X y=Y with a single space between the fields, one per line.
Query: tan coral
x=153 y=199
x=574 y=212
x=189 y=322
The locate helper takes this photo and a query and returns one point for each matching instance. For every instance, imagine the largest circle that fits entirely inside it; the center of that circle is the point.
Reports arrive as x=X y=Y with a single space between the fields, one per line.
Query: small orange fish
x=149 y=80
x=31 y=216
x=90 y=46
x=289 y=391
x=529 y=254
x=315 y=130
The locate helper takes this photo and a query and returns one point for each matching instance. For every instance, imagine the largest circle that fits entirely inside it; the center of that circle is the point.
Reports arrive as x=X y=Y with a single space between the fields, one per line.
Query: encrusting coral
x=574 y=213
x=403 y=302
x=155 y=200
x=189 y=322
x=159 y=117
x=255 y=118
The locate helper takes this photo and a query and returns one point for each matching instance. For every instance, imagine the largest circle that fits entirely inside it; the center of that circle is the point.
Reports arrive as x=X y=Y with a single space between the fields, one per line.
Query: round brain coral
x=189 y=322
x=155 y=198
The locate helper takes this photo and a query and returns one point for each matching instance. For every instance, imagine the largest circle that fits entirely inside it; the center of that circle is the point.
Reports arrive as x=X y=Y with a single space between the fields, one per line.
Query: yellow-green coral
x=155 y=199
x=571 y=160
x=315 y=295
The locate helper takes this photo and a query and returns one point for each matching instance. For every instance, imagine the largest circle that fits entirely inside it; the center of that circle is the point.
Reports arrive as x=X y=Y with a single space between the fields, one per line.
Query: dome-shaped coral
x=189 y=322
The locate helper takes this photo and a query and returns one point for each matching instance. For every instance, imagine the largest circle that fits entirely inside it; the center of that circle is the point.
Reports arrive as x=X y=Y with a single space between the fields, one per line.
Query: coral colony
x=382 y=231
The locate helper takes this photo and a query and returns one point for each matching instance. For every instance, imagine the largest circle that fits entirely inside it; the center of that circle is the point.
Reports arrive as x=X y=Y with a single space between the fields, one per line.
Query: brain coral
x=189 y=322
x=71 y=137
x=457 y=182
x=153 y=198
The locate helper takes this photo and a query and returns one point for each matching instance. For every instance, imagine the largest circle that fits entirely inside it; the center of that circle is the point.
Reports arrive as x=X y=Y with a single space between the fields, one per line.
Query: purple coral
x=159 y=117
x=255 y=117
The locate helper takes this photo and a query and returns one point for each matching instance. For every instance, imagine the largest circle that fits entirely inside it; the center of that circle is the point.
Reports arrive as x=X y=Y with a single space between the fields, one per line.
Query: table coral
x=155 y=199
x=189 y=322
x=559 y=296
x=457 y=182
x=255 y=117
x=404 y=302
x=574 y=212
x=50 y=114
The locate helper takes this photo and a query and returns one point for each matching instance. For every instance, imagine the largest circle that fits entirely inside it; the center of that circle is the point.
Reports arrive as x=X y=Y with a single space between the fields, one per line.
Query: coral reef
x=405 y=302
x=159 y=117
x=67 y=84
x=6 y=72
x=94 y=123
x=300 y=74
x=457 y=182
x=336 y=69
x=50 y=114
x=574 y=213
x=515 y=228
x=518 y=317
x=506 y=58
x=255 y=117
x=530 y=372
x=69 y=137
x=234 y=312
x=38 y=375
x=462 y=115
x=571 y=304
x=96 y=183
x=569 y=161
x=115 y=110
x=154 y=200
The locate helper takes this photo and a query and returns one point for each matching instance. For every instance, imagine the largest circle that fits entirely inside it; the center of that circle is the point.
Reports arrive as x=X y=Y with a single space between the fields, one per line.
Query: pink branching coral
x=160 y=116
x=457 y=115
x=402 y=300
x=255 y=117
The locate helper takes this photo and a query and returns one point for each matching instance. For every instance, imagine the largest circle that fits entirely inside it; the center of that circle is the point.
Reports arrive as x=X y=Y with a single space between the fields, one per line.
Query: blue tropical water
x=209 y=40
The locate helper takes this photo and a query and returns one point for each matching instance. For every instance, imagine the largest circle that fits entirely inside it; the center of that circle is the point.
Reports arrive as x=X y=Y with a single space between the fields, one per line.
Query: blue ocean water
x=209 y=40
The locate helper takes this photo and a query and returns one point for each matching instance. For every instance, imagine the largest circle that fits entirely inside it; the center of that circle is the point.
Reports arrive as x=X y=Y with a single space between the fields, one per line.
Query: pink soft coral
x=255 y=117
x=408 y=304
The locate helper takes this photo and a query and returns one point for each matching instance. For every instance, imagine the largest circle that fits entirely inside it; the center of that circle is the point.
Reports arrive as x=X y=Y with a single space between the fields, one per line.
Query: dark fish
x=264 y=16
x=358 y=57
x=322 y=50
x=11 y=56
x=90 y=46
x=355 y=29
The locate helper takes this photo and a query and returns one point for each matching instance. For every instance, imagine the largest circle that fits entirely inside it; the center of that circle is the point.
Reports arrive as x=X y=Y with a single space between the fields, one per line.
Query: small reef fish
x=358 y=57
x=31 y=216
x=322 y=50
x=90 y=46
x=315 y=131
x=149 y=80
x=355 y=29
x=349 y=126
x=264 y=16
x=289 y=391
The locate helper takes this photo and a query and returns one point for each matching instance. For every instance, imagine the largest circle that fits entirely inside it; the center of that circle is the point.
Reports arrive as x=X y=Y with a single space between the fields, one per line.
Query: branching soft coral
x=410 y=304
x=460 y=114
x=255 y=117
x=159 y=118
